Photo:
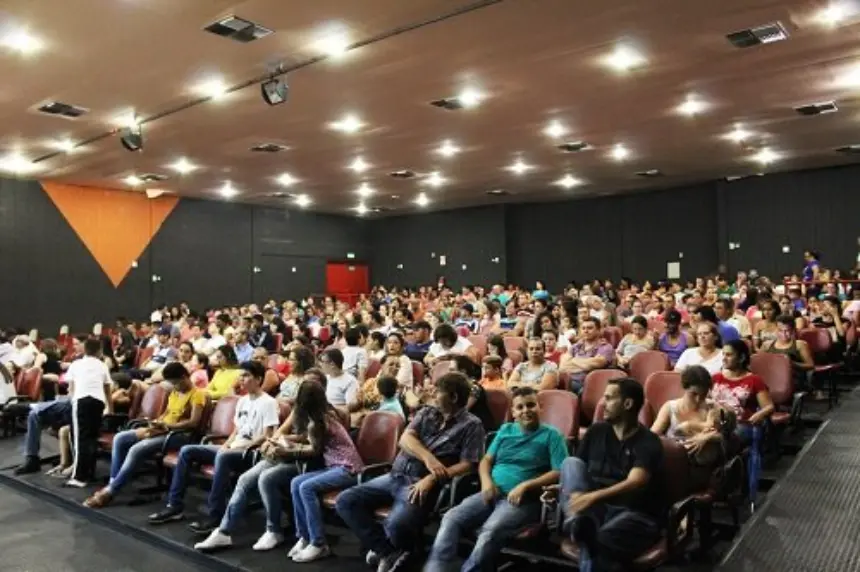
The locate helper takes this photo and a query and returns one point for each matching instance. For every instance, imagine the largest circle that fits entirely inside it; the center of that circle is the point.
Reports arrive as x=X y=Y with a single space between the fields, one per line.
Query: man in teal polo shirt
x=525 y=456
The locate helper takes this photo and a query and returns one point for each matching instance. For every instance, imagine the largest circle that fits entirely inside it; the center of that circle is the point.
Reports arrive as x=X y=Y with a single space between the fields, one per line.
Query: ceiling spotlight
x=286 y=180
x=227 y=190
x=448 y=149
x=620 y=152
x=334 y=43
x=435 y=179
x=22 y=42
x=65 y=145
x=127 y=119
x=303 y=201
x=131 y=137
x=421 y=200
x=364 y=190
x=470 y=97
x=212 y=88
x=765 y=156
x=555 y=129
x=347 y=124
x=133 y=181
x=568 y=181
x=17 y=164
x=183 y=166
x=738 y=134
x=519 y=167
x=624 y=58
x=692 y=106
x=359 y=165
x=275 y=91
x=361 y=209
x=836 y=12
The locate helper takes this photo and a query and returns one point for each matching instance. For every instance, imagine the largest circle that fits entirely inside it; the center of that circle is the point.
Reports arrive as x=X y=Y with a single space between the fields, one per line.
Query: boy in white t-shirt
x=256 y=418
x=341 y=388
x=355 y=358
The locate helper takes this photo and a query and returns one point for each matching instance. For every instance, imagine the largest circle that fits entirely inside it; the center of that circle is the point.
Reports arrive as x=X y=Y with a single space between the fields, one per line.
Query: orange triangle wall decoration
x=115 y=226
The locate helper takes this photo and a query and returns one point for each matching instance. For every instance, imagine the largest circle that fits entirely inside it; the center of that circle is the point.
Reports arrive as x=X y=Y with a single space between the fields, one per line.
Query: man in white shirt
x=341 y=388
x=89 y=388
x=256 y=417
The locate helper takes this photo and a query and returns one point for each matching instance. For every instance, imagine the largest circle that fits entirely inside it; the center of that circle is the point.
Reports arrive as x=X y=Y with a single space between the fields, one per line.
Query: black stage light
x=131 y=137
x=275 y=91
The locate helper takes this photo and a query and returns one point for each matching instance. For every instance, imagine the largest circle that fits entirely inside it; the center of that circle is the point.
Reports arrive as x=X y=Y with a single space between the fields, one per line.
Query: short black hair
x=387 y=386
x=445 y=332
x=317 y=374
x=378 y=337
x=727 y=303
x=121 y=379
x=256 y=369
x=352 y=336
x=92 y=347
x=640 y=320
x=456 y=385
x=335 y=356
x=673 y=317
x=630 y=389
x=229 y=354
x=787 y=320
x=522 y=391
x=707 y=313
x=696 y=376
x=174 y=371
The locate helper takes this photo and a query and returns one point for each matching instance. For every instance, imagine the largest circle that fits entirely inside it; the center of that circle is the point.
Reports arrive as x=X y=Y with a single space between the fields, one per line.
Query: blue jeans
x=272 y=480
x=498 y=522
x=356 y=507
x=622 y=534
x=305 y=490
x=129 y=453
x=226 y=463
x=46 y=413
x=751 y=435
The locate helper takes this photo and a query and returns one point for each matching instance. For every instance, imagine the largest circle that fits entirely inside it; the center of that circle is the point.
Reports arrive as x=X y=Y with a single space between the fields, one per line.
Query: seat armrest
x=170 y=441
x=212 y=437
x=678 y=531
x=137 y=423
x=827 y=367
x=372 y=471
x=114 y=421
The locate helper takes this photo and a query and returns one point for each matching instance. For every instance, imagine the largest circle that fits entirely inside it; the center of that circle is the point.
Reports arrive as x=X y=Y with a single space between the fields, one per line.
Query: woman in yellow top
x=131 y=448
x=226 y=378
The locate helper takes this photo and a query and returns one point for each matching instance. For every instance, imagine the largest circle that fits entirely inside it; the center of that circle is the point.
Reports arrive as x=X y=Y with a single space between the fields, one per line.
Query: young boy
x=387 y=388
x=525 y=456
x=492 y=378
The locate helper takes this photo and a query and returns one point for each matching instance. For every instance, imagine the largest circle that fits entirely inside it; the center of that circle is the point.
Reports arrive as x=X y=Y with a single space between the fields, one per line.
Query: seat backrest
x=657 y=326
x=595 y=385
x=480 y=343
x=660 y=387
x=463 y=331
x=561 y=410
x=499 y=404
x=30 y=383
x=676 y=470
x=272 y=361
x=279 y=342
x=775 y=370
x=222 y=416
x=514 y=344
x=417 y=373
x=645 y=363
x=284 y=410
x=613 y=335
x=818 y=340
x=564 y=380
x=143 y=356
x=373 y=367
x=440 y=368
x=154 y=402
x=378 y=437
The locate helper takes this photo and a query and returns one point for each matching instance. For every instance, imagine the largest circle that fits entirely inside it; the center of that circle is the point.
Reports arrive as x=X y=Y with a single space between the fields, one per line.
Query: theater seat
x=218 y=430
x=151 y=403
x=645 y=363
x=660 y=387
x=499 y=404
x=373 y=367
x=592 y=392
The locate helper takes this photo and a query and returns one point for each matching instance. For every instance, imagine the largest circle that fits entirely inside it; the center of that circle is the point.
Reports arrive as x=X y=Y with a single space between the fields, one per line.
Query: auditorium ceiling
x=402 y=106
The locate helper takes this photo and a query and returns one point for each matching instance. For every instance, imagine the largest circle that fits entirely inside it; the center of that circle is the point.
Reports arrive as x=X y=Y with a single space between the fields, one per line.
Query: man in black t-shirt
x=612 y=490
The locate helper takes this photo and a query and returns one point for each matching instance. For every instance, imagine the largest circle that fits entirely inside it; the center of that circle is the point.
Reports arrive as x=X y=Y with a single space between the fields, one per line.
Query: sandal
x=99 y=500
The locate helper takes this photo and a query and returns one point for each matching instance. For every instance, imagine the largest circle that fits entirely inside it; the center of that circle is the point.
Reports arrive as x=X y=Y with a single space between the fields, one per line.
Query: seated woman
x=765 y=329
x=226 y=377
x=301 y=359
x=311 y=431
x=797 y=351
x=50 y=361
x=369 y=398
x=537 y=372
x=707 y=353
x=496 y=347
x=638 y=340
x=271 y=382
x=744 y=393
x=198 y=367
x=395 y=345
x=131 y=448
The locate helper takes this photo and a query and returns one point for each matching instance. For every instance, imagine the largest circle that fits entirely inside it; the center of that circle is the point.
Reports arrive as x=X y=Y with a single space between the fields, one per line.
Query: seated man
x=255 y=419
x=51 y=413
x=442 y=442
x=164 y=353
x=131 y=448
x=589 y=353
x=611 y=491
x=525 y=456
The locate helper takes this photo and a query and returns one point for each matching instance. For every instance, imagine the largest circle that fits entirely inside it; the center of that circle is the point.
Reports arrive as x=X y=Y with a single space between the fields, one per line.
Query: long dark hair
x=310 y=412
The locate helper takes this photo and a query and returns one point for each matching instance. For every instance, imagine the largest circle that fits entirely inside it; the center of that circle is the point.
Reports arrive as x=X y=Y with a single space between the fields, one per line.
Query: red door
x=344 y=278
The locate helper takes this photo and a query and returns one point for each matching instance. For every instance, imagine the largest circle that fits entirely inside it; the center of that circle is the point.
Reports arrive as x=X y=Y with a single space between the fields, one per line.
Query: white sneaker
x=215 y=540
x=297 y=547
x=268 y=541
x=312 y=552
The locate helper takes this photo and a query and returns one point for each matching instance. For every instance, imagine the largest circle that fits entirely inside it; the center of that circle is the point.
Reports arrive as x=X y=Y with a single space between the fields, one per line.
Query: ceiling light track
x=477 y=5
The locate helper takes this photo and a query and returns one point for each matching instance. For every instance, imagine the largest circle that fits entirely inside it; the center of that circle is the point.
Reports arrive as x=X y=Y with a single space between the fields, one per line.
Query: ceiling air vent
x=269 y=148
x=573 y=146
x=766 y=34
x=849 y=149
x=152 y=177
x=238 y=29
x=402 y=174
x=650 y=173
x=282 y=195
x=449 y=103
x=59 y=109
x=497 y=192
x=817 y=108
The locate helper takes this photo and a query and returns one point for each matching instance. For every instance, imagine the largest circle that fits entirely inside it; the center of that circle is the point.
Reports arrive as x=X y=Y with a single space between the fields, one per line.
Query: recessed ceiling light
x=347 y=124
x=620 y=152
x=303 y=201
x=22 y=42
x=16 y=163
x=133 y=181
x=692 y=106
x=359 y=165
x=738 y=134
x=519 y=167
x=448 y=149
x=624 y=58
x=334 y=42
x=127 y=119
x=286 y=180
x=765 y=156
x=555 y=129
x=213 y=88
x=66 y=145
x=364 y=190
x=470 y=97
x=836 y=12
x=183 y=166
x=227 y=190
x=421 y=200
x=568 y=181
x=361 y=209
x=435 y=179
